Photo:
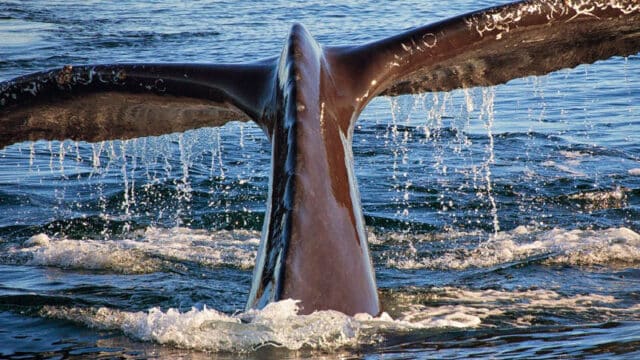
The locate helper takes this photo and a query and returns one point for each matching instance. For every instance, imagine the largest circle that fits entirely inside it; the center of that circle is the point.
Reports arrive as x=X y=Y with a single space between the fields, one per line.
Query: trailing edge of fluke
x=307 y=100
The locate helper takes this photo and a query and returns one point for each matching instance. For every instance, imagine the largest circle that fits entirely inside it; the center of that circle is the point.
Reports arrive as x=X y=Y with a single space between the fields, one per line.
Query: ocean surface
x=503 y=222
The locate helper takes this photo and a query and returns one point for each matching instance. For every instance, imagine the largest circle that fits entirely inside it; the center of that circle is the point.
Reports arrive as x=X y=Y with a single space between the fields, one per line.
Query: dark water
x=503 y=222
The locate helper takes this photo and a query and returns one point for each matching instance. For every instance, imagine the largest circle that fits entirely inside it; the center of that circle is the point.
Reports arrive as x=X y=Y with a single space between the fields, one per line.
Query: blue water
x=503 y=222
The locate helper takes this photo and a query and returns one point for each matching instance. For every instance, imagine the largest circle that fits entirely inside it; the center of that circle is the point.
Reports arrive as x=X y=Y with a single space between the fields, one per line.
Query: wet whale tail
x=307 y=100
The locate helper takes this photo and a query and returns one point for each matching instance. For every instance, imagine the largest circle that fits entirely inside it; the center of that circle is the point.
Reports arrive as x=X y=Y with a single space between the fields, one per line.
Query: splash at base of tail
x=307 y=101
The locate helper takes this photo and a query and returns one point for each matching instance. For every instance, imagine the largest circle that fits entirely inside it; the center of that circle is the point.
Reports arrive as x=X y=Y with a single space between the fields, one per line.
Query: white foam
x=565 y=168
x=530 y=303
x=614 y=247
x=235 y=248
x=155 y=249
x=573 y=154
x=38 y=240
x=277 y=324
x=280 y=325
x=118 y=256
x=150 y=251
x=617 y=195
x=520 y=299
x=456 y=316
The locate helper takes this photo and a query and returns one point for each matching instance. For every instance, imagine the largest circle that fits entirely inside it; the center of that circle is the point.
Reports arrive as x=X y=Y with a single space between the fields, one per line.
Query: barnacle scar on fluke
x=307 y=100
x=65 y=75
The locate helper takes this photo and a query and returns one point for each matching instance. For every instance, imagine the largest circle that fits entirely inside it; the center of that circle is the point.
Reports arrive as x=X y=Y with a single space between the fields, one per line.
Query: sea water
x=503 y=222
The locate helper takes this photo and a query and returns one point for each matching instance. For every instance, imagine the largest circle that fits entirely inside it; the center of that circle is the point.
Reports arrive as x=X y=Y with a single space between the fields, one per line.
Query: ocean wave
x=277 y=325
x=207 y=329
x=173 y=249
x=153 y=249
x=280 y=325
x=597 y=200
x=610 y=247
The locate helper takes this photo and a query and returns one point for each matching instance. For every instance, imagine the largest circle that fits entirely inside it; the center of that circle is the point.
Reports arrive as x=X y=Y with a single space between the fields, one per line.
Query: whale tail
x=307 y=100
x=106 y=102
x=483 y=48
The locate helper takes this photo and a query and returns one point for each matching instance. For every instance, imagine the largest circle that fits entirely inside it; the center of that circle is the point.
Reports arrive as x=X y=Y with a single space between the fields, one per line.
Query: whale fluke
x=314 y=247
x=106 y=102
x=493 y=46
